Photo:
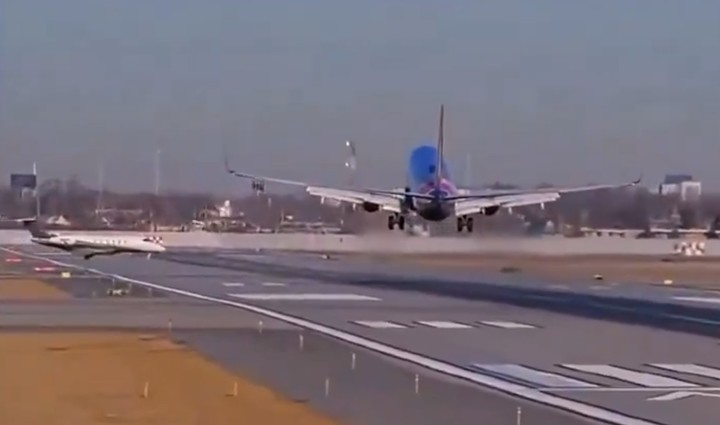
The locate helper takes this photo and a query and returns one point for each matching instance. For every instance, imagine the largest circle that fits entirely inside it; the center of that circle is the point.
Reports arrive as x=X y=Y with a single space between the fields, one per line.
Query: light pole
x=157 y=190
x=157 y=172
x=36 y=192
x=101 y=185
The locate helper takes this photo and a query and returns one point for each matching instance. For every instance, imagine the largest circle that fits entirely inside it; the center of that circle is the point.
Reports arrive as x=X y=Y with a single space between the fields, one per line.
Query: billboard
x=23 y=181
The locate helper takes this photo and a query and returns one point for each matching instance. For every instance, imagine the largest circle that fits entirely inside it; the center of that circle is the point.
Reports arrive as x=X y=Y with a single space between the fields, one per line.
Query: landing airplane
x=430 y=193
x=91 y=245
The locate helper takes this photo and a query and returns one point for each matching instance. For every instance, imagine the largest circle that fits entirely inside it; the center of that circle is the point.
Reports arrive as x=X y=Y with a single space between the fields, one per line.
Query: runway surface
x=635 y=354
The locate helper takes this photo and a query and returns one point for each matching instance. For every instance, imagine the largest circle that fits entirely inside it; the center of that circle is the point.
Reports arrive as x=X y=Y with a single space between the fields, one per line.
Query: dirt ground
x=642 y=269
x=99 y=378
x=29 y=289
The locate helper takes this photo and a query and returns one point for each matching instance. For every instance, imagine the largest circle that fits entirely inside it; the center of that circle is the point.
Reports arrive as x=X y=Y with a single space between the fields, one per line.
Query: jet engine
x=370 y=207
x=490 y=210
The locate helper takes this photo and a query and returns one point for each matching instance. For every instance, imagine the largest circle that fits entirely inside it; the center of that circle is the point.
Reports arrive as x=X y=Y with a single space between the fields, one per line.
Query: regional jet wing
x=387 y=200
x=474 y=203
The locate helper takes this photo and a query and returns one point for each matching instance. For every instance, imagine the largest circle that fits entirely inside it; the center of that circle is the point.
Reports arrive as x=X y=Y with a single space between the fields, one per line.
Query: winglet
x=227 y=162
x=27 y=221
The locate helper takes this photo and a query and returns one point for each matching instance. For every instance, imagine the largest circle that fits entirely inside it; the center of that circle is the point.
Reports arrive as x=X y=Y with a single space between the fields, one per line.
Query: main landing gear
x=396 y=220
x=465 y=222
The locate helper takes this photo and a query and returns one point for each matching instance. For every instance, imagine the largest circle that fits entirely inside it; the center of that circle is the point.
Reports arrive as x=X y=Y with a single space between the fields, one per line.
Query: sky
x=560 y=91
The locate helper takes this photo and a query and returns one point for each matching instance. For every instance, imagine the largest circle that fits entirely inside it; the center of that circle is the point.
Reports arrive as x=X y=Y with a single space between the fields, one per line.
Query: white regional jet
x=91 y=245
x=430 y=191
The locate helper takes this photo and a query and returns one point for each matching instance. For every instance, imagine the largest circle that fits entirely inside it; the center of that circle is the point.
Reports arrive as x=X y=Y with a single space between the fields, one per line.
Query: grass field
x=29 y=289
x=100 y=378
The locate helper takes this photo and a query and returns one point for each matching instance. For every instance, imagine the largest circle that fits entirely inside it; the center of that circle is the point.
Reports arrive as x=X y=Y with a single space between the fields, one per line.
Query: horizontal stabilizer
x=33 y=226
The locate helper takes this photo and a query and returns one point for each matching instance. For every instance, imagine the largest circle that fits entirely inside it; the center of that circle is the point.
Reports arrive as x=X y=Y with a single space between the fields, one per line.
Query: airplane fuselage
x=436 y=209
x=421 y=171
x=91 y=246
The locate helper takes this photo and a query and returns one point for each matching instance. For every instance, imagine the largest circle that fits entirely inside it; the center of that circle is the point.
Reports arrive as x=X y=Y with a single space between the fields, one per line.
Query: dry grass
x=643 y=269
x=29 y=289
x=98 y=378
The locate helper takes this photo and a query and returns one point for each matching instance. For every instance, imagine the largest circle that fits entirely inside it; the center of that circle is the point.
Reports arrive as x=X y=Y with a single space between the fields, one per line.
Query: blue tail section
x=427 y=167
x=423 y=166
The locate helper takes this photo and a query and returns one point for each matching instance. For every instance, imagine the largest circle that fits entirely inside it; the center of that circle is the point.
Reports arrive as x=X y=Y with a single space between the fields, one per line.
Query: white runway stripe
x=634 y=377
x=379 y=324
x=233 y=284
x=692 y=369
x=699 y=299
x=273 y=284
x=304 y=297
x=441 y=324
x=532 y=376
x=507 y=325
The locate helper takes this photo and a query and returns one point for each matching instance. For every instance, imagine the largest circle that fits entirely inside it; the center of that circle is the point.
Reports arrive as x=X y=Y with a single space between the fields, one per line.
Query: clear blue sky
x=565 y=91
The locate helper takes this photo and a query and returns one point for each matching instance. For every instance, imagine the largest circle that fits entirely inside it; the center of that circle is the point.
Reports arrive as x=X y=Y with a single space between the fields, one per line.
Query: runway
x=625 y=354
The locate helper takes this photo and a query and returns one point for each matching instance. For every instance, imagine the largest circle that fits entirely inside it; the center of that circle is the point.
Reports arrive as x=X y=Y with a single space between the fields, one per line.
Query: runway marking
x=634 y=377
x=699 y=299
x=693 y=319
x=692 y=369
x=533 y=376
x=522 y=391
x=304 y=297
x=274 y=284
x=442 y=324
x=623 y=389
x=507 y=325
x=233 y=284
x=379 y=324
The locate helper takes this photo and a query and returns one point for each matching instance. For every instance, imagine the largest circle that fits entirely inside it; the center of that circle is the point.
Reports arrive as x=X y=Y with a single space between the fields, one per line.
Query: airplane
x=91 y=245
x=431 y=193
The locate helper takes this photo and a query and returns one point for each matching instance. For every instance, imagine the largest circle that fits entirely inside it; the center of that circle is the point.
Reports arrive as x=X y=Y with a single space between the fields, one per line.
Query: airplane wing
x=474 y=203
x=387 y=200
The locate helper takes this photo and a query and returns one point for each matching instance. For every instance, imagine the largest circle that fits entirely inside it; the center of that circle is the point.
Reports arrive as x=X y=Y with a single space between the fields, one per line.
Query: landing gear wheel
x=391 y=222
x=460 y=224
x=401 y=223
x=469 y=224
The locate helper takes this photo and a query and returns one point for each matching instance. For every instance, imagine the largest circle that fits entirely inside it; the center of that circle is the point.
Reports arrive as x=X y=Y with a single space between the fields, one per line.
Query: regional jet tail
x=91 y=245
x=430 y=193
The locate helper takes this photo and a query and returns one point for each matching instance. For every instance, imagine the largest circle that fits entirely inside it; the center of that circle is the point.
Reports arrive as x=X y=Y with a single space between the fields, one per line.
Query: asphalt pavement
x=624 y=354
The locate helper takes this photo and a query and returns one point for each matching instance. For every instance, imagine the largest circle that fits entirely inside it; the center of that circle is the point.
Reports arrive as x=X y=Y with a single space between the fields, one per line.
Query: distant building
x=682 y=185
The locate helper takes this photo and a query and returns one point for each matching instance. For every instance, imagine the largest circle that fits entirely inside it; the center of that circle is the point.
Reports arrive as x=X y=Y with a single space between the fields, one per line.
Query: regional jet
x=431 y=193
x=91 y=245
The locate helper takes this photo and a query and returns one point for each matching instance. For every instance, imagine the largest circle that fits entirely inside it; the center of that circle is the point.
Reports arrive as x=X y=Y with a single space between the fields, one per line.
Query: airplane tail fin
x=440 y=146
x=32 y=225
